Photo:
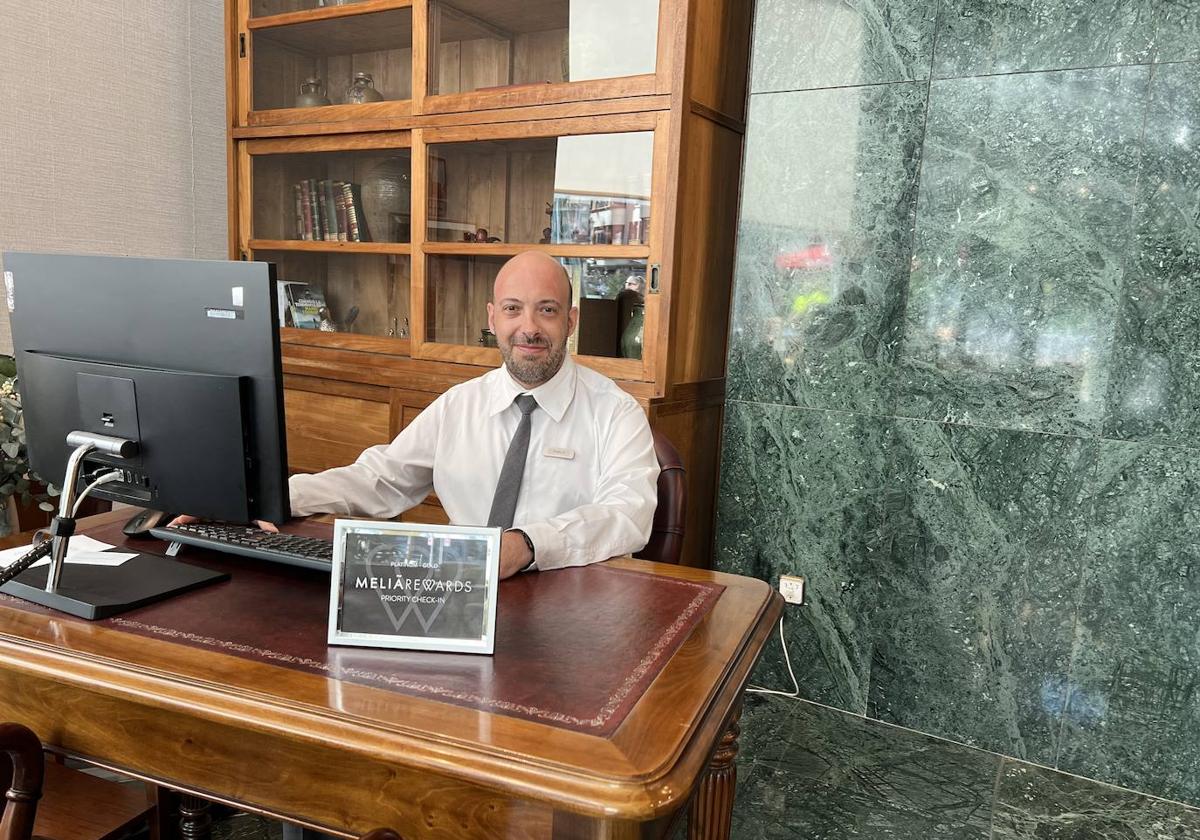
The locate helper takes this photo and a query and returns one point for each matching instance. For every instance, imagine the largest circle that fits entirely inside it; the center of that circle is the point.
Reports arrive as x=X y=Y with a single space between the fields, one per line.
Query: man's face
x=531 y=318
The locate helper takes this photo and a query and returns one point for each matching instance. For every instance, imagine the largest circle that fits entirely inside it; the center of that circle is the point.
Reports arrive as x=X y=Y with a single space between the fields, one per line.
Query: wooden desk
x=349 y=757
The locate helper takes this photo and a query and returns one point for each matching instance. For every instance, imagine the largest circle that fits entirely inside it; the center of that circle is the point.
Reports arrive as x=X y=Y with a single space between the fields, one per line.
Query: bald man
x=587 y=491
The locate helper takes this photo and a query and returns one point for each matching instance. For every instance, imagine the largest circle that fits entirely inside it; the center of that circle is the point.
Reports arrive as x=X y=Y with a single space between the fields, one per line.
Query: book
x=331 y=228
x=305 y=303
x=298 y=200
x=356 y=203
x=306 y=209
x=315 y=210
x=339 y=200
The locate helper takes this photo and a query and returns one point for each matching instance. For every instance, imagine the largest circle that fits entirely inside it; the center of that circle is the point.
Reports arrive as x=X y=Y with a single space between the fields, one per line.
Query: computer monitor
x=179 y=356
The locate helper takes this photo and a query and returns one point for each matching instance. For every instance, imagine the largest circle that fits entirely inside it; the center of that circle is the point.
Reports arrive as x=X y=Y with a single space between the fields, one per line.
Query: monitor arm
x=63 y=525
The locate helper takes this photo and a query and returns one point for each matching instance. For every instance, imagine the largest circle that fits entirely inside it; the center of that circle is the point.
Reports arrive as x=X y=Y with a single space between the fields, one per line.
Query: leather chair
x=50 y=801
x=666 y=535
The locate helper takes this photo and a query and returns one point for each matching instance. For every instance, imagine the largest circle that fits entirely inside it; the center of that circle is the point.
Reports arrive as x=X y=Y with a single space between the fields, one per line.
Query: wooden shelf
x=511 y=249
x=330 y=247
x=346 y=341
x=366 y=7
x=341 y=30
x=486 y=17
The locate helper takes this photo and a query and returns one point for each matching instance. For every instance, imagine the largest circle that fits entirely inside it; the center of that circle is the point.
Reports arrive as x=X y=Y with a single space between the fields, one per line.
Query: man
x=587 y=490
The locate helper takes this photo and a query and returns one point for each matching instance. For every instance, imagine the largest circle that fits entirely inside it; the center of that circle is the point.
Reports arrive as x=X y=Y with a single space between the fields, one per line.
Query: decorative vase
x=362 y=89
x=631 y=339
x=312 y=94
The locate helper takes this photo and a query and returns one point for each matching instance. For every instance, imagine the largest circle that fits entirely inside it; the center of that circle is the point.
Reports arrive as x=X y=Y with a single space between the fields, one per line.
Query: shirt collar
x=553 y=397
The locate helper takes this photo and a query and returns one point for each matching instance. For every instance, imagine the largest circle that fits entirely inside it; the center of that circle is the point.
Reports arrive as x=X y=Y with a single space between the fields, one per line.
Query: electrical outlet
x=791 y=587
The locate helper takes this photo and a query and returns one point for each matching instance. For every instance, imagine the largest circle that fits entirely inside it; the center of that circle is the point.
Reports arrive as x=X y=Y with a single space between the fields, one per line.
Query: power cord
x=104 y=479
x=35 y=554
x=43 y=548
x=794 y=694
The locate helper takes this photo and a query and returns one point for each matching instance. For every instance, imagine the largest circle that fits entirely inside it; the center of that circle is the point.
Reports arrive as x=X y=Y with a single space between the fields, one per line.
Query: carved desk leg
x=711 y=810
x=195 y=822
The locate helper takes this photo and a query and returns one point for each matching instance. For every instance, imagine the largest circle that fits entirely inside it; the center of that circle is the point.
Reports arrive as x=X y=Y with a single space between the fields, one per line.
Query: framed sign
x=416 y=587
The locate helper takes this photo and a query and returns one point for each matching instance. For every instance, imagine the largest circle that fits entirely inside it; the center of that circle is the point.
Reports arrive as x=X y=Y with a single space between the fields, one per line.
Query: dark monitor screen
x=181 y=356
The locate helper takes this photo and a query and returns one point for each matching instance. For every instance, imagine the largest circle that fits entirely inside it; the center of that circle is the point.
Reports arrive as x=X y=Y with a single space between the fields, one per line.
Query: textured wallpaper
x=112 y=128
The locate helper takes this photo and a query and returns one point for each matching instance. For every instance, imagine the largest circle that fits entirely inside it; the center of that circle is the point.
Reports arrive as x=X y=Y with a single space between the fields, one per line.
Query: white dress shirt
x=590 y=483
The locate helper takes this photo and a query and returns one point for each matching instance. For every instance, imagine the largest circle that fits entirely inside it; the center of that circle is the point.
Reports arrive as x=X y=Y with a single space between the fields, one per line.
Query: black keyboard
x=293 y=549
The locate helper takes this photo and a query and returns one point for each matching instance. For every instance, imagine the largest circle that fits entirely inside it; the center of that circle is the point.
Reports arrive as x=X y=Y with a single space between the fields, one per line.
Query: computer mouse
x=140 y=524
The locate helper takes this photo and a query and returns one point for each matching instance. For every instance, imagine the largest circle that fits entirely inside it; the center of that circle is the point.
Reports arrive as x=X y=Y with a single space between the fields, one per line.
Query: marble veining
x=803 y=44
x=1154 y=380
x=1033 y=802
x=1177 y=33
x=978 y=575
x=828 y=209
x=1019 y=249
x=799 y=497
x=832 y=775
x=1133 y=711
x=977 y=37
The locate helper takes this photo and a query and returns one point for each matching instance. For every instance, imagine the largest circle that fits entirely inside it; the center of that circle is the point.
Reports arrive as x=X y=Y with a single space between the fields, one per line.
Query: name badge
x=558 y=452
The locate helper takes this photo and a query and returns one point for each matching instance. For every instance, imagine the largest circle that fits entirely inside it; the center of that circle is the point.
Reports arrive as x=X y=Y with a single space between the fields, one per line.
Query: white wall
x=112 y=128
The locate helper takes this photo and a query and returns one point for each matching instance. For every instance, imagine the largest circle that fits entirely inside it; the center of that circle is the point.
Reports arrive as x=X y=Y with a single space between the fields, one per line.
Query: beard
x=533 y=372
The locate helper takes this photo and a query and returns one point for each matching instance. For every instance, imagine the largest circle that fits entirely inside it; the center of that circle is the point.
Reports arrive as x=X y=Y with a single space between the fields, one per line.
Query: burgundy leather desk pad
x=575 y=648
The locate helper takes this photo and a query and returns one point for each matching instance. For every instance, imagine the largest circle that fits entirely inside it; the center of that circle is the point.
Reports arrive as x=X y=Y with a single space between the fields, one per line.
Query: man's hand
x=184 y=519
x=514 y=554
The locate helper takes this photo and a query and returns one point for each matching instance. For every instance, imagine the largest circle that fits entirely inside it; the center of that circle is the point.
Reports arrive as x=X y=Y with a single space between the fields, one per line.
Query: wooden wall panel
x=719 y=55
x=696 y=433
x=327 y=430
x=706 y=234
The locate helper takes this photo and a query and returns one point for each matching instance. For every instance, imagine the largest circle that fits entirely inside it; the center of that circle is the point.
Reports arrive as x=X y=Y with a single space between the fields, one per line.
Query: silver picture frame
x=409 y=586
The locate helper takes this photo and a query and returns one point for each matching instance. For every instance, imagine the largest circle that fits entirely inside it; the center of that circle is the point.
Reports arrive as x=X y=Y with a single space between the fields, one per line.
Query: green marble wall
x=964 y=371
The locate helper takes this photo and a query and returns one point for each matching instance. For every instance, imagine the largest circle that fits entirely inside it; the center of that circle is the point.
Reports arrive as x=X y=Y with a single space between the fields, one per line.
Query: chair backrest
x=666 y=535
x=21 y=777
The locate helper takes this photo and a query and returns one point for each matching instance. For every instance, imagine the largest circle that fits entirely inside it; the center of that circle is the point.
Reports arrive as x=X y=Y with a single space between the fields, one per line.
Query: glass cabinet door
x=313 y=57
x=590 y=189
x=334 y=215
x=356 y=196
x=329 y=296
x=584 y=199
x=610 y=294
x=481 y=44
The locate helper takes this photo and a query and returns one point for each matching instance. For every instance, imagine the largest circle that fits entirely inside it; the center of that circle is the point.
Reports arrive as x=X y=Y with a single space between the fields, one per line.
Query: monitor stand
x=95 y=592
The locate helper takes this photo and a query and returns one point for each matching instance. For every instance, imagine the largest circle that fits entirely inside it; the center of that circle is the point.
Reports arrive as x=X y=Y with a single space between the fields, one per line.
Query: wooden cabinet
x=607 y=133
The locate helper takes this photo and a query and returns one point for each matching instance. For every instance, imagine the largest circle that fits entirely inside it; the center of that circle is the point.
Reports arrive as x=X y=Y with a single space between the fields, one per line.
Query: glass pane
x=478 y=44
x=591 y=189
x=263 y=8
x=607 y=292
x=358 y=196
x=610 y=297
x=317 y=63
x=364 y=294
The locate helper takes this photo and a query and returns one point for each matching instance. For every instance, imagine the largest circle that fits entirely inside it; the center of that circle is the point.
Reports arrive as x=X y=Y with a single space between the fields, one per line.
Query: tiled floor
x=809 y=772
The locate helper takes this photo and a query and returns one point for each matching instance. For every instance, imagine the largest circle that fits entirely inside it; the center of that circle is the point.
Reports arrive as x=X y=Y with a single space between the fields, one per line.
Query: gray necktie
x=504 y=503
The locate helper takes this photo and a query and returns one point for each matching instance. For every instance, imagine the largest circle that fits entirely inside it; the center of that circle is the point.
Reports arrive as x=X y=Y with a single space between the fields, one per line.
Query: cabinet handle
x=653 y=286
x=242 y=44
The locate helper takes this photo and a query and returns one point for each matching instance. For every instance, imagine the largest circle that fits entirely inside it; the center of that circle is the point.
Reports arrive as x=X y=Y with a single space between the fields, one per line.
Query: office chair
x=666 y=535
x=50 y=801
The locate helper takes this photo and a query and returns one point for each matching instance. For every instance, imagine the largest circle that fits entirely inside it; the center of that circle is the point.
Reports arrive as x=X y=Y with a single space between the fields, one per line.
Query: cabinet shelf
x=360 y=32
x=346 y=341
x=352 y=10
x=511 y=249
x=331 y=247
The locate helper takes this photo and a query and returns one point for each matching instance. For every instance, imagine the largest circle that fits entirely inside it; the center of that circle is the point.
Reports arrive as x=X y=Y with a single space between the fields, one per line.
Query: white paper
x=81 y=549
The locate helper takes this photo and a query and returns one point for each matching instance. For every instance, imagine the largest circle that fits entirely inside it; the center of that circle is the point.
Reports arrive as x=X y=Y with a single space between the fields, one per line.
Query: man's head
x=532 y=316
